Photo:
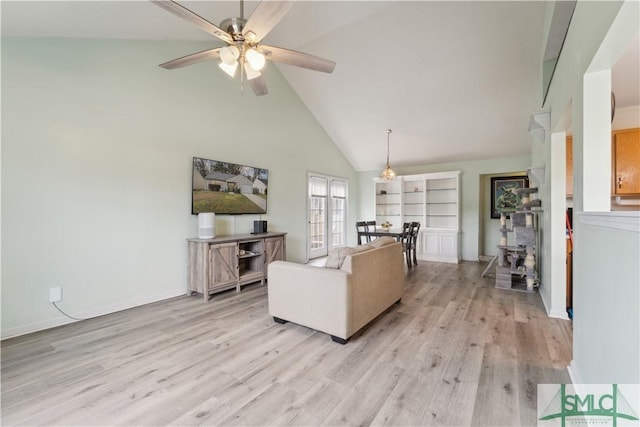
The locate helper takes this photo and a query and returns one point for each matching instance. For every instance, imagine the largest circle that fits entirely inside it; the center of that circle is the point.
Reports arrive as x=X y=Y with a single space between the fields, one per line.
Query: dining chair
x=371 y=226
x=407 y=236
x=361 y=226
x=414 y=241
x=405 y=231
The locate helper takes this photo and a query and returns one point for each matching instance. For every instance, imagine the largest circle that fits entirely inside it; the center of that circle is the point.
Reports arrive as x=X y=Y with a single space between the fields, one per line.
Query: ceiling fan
x=243 y=38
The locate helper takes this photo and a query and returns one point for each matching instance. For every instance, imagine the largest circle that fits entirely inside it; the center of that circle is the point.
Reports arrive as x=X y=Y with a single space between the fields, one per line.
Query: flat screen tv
x=227 y=188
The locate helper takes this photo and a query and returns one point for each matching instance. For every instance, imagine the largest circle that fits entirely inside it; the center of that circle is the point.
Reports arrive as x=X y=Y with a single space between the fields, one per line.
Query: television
x=227 y=188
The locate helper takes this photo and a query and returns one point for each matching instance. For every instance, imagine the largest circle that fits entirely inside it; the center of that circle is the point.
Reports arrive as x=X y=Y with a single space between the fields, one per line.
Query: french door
x=327 y=214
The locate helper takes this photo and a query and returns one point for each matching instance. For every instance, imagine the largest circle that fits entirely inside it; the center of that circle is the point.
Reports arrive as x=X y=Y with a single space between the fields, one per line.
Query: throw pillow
x=332 y=259
x=336 y=256
x=382 y=241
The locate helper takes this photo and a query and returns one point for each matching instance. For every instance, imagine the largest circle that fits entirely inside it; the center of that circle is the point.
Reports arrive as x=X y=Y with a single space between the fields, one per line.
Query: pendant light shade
x=388 y=174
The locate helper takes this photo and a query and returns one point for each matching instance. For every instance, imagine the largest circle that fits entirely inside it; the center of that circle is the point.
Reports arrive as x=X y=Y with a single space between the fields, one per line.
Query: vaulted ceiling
x=453 y=80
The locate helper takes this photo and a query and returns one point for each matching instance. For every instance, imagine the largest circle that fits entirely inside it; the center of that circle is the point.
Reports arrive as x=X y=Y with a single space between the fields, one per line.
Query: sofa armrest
x=316 y=297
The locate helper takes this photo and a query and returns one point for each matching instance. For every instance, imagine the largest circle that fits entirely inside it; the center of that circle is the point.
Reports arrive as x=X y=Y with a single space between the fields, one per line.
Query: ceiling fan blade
x=259 y=85
x=194 y=58
x=188 y=15
x=298 y=59
x=265 y=16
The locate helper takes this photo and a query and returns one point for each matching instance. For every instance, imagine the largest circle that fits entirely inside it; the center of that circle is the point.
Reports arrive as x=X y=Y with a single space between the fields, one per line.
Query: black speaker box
x=259 y=227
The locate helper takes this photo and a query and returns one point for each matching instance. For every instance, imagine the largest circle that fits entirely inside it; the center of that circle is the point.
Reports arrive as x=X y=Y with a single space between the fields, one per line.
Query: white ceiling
x=454 y=80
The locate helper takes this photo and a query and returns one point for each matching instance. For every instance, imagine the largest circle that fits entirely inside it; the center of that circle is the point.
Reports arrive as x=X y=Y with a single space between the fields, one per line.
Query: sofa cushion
x=382 y=241
x=336 y=256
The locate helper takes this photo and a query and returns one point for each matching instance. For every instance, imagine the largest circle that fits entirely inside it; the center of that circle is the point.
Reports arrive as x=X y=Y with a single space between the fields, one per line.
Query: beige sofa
x=354 y=288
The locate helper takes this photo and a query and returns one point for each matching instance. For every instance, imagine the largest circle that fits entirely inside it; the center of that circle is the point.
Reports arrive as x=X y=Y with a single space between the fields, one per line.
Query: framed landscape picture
x=503 y=197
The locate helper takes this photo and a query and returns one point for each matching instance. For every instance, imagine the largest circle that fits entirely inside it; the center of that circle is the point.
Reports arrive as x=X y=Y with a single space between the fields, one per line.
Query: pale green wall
x=606 y=301
x=97 y=142
x=472 y=199
x=606 y=327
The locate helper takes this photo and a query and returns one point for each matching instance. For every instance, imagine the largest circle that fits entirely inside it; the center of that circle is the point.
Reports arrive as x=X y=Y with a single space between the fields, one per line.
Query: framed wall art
x=503 y=197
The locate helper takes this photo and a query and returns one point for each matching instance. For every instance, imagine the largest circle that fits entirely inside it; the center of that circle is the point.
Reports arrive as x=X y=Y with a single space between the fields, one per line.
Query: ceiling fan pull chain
x=242 y=73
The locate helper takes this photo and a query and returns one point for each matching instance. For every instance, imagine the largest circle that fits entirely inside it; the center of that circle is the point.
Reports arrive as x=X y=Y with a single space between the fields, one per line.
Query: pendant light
x=388 y=174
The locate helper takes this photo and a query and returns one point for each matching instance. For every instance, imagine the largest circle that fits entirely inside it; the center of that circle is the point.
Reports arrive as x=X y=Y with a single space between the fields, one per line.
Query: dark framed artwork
x=503 y=197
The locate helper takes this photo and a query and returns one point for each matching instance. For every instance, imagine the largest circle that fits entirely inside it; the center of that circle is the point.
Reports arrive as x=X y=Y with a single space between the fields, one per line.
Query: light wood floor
x=456 y=351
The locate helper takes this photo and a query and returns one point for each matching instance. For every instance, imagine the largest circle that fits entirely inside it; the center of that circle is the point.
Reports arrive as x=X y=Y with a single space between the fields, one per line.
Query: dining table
x=379 y=233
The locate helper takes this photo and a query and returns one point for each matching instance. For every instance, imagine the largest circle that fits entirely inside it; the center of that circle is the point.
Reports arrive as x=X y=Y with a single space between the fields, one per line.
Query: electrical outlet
x=55 y=294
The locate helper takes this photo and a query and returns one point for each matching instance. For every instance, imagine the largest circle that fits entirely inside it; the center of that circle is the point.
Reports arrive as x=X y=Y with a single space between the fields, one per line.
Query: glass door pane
x=327 y=214
x=317 y=216
x=338 y=213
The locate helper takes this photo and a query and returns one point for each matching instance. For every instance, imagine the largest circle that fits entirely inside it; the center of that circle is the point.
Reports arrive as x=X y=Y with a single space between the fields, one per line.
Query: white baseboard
x=438 y=258
x=100 y=311
x=553 y=313
x=559 y=315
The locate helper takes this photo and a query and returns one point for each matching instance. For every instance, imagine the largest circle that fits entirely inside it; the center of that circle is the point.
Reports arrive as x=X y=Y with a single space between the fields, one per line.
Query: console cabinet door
x=274 y=250
x=223 y=266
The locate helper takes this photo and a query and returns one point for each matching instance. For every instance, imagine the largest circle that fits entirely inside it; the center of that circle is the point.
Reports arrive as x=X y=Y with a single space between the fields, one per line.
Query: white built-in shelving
x=433 y=200
x=388 y=202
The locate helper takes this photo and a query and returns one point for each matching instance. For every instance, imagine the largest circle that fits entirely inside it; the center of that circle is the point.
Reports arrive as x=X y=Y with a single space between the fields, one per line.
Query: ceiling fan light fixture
x=388 y=174
x=230 y=69
x=229 y=54
x=242 y=38
x=255 y=59
x=250 y=72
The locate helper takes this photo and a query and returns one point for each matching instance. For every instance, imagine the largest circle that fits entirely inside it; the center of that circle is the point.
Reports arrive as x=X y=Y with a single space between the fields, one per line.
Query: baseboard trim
x=88 y=314
x=559 y=315
x=553 y=313
x=439 y=258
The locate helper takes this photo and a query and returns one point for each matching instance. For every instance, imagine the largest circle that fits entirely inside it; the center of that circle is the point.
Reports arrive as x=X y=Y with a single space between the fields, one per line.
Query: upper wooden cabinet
x=625 y=159
x=626 y=162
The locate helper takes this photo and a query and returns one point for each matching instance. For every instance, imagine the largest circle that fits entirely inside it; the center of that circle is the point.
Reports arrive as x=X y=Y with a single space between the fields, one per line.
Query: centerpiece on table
x=386 y=225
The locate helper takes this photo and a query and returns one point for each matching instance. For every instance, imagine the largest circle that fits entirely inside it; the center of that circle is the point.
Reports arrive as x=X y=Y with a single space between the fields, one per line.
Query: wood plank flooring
x=456 y=351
